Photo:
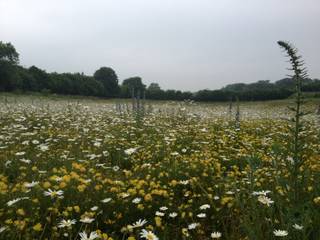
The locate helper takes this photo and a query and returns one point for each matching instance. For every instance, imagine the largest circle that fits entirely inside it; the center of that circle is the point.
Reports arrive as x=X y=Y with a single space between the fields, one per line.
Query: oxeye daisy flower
x=106 y=200
x=297 y=226
x=136 y=200
x=30 y=185
x=2 y=229
x=193 y=226
x=149 y=235
x=280 y=233
x=130 y=151
x=205 y=206
x=84 y=236
x=87 y=220
x=54 y=193
x=216 y=235
x=265 y=200
x=66 y=223
x=10 y=203
x=201 y=215
x=173 y=215
x=94 y=208
x=163 y=208
x=139 y=223
x=160 y=214
x=184 y=182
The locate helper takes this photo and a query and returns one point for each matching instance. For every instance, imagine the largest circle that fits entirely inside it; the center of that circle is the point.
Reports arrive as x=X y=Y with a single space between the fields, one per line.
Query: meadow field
x=73 y=168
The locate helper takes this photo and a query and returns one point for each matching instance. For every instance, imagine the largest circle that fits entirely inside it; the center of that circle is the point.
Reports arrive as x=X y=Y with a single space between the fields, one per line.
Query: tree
x=8 y=53
x=9 y=58
x=154 y=91
x=109 y=80
x=132 y=84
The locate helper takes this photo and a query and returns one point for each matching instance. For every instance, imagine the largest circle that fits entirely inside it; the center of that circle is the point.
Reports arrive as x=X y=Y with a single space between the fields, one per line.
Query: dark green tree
x=109 y=79
x=9 y=58
x=132 y=84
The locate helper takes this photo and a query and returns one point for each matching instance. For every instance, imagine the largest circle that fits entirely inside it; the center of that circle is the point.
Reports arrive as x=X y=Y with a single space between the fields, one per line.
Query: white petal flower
x=92 y=236
x=201 y=215
x=265 y=200
x=66 y=223
x=149 y=235
x=130 y=151
x=163 y=208
x=280 y=233
x=193 y=225
x=205 y=206
x=30 y=185
x=54 y=193
x=173 y=215
x=136 y=200
x=87 y=220
x=106 y=200
x=160 y=214
x=139 y=223
x=297 y=226
x=216 y=235
x=2 y=229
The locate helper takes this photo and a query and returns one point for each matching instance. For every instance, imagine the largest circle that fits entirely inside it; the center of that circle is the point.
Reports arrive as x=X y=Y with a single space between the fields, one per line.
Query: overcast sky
x=180 y=44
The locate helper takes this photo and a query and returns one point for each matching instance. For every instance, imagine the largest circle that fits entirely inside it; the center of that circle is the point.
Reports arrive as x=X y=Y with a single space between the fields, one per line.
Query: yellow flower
x=46 y=184
x=21 y=212
x=76 y=209
x=158 y=221
x=140 y=206
x=148 y=197
x=81 y=187
x=37 y=227
x=317 y=200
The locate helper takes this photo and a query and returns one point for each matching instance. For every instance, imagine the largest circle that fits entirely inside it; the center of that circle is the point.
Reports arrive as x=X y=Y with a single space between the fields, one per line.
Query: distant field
x=178 y=170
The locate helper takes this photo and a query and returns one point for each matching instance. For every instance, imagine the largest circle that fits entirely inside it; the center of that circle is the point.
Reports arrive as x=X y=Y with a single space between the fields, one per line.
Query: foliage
x=105 y=83
x=108 y=77
x=131 y=86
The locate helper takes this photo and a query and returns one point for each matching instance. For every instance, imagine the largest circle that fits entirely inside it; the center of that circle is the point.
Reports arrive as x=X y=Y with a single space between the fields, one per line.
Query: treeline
x=105 y=83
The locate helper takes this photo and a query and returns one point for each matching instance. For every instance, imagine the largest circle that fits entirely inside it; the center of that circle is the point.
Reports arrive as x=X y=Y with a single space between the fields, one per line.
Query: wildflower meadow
x=95 y=169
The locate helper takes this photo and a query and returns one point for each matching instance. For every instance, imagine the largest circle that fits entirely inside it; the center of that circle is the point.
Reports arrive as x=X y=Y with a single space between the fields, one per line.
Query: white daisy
x=130 y=151
x=173 y=214
x=10 y=203
x=66 y=223
x=160 y=214
x=2 y=229
x=280 y=233
x=149 y=235
x=265 y=200
x=32 y=184
x=136 y=200
x=163 y=208
x=193 y=225
x=184 y=182
x=216 y=235
x=106 y=200
x=85 y=236
x=297 y=226
x=94 y=208
x=139 y=223
x=54 y=193
x=205 y=206
x=87 y=220
x=201 y=215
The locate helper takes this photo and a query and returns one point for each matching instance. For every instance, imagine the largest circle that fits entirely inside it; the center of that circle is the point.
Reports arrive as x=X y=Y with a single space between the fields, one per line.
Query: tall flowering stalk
x=299 y=73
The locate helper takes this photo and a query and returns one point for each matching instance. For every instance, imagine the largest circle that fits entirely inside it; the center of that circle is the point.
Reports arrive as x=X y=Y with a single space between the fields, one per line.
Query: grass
x=182 y=167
